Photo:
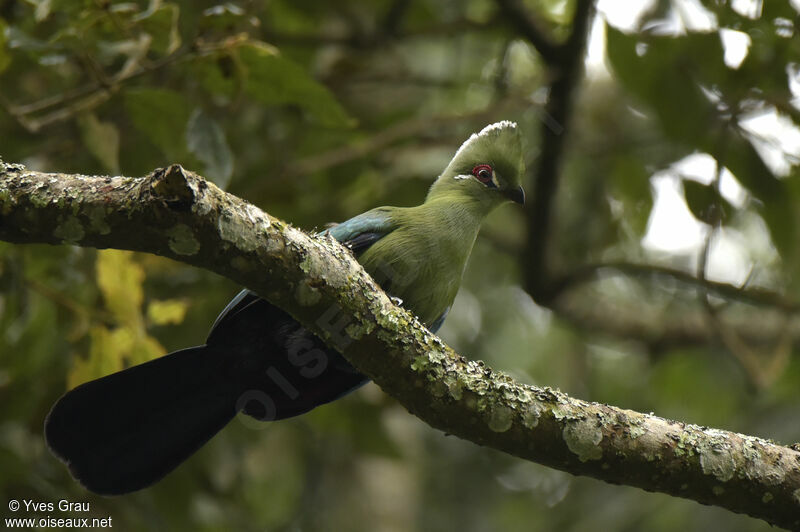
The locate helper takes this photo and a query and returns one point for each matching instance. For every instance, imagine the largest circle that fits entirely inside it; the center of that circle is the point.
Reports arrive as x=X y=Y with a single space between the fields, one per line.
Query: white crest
x=491 y=128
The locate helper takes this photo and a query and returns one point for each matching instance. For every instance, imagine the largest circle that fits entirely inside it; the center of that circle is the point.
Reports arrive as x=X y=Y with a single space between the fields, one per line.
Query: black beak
x=517 y=195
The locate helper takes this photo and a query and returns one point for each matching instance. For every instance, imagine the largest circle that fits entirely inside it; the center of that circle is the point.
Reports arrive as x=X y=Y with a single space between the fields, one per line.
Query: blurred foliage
x=316 y=111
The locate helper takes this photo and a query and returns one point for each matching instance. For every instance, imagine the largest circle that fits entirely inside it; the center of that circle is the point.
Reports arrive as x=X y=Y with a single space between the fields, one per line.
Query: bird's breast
x=420 y=267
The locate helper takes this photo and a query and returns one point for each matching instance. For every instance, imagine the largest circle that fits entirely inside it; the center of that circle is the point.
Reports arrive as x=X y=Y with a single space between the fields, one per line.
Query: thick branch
x=179 y=215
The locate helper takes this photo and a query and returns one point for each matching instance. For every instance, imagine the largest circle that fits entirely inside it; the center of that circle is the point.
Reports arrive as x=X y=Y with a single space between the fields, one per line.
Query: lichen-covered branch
x=177 y=214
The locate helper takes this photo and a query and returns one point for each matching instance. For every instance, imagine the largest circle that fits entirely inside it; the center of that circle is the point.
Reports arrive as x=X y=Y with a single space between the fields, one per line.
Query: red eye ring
x=483 y=172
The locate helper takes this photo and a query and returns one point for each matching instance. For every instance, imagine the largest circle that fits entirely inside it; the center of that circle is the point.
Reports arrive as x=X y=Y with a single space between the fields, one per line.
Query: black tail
x=127 y=430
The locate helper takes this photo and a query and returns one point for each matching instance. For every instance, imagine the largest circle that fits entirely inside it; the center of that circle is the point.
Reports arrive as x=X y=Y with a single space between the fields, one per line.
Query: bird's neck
x=458 y=218
x=444 y=196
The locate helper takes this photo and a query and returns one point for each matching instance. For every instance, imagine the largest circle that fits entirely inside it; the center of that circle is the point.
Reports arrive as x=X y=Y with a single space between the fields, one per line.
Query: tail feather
x=126 y=431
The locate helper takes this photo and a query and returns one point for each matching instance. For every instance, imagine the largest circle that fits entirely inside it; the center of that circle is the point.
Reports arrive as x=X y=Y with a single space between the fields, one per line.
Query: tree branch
x=567 y=73
x=661 y=332
x=518 y=16
x=753 y=296
x=177 y=214
x=374 y=40
x=71 y=102
x=375 y=141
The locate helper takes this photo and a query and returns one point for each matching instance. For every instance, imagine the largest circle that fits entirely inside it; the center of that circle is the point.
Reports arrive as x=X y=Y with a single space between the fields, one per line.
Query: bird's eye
x=483 y=172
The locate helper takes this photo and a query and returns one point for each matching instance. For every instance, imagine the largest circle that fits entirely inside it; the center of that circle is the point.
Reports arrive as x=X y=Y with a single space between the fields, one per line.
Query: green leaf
x=102 y=140
x=110 y=350
x=273 y=79
x=220 y=74
x=106 y=352
x=160 y=114
x=162 y=25
x=167 y=311
x=120 y=280
x=145 y=348
x=629 y=181
x=774 y=194
x=206 y=140
x=667 y=73
x=705 y=202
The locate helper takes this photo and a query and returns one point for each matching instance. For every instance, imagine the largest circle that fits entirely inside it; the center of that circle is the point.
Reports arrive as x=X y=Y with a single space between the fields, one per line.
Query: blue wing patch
x=362 y=242
x=360 y=232
x=438 y=321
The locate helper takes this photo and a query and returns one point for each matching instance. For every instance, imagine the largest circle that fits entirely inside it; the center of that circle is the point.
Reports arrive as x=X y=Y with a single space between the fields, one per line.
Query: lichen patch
x=583 y=437
x=717 y=459
x=500 y=418
x=182 y=240
x=232 y=229
x=531 y=415
x=97 y=219
x=453 y=387
x=70 y=230
x=306 y=294
x=771 y=472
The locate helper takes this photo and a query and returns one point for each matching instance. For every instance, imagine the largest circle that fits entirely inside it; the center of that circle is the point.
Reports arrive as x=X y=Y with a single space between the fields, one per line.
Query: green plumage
x=422 y=258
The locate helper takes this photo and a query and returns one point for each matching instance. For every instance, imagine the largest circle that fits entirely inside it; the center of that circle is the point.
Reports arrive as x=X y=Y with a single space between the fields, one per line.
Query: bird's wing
x=357 y=233
x=437 y=323
x=360 y=232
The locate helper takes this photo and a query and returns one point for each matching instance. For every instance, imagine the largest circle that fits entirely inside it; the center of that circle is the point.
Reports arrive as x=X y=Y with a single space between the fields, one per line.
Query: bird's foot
x=396 y=300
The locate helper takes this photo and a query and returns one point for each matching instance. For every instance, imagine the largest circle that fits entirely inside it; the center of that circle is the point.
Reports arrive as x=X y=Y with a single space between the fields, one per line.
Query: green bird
x=125 y=431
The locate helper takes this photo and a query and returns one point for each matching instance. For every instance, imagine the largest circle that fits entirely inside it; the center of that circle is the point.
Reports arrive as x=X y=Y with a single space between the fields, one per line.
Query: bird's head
x=488 y=168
